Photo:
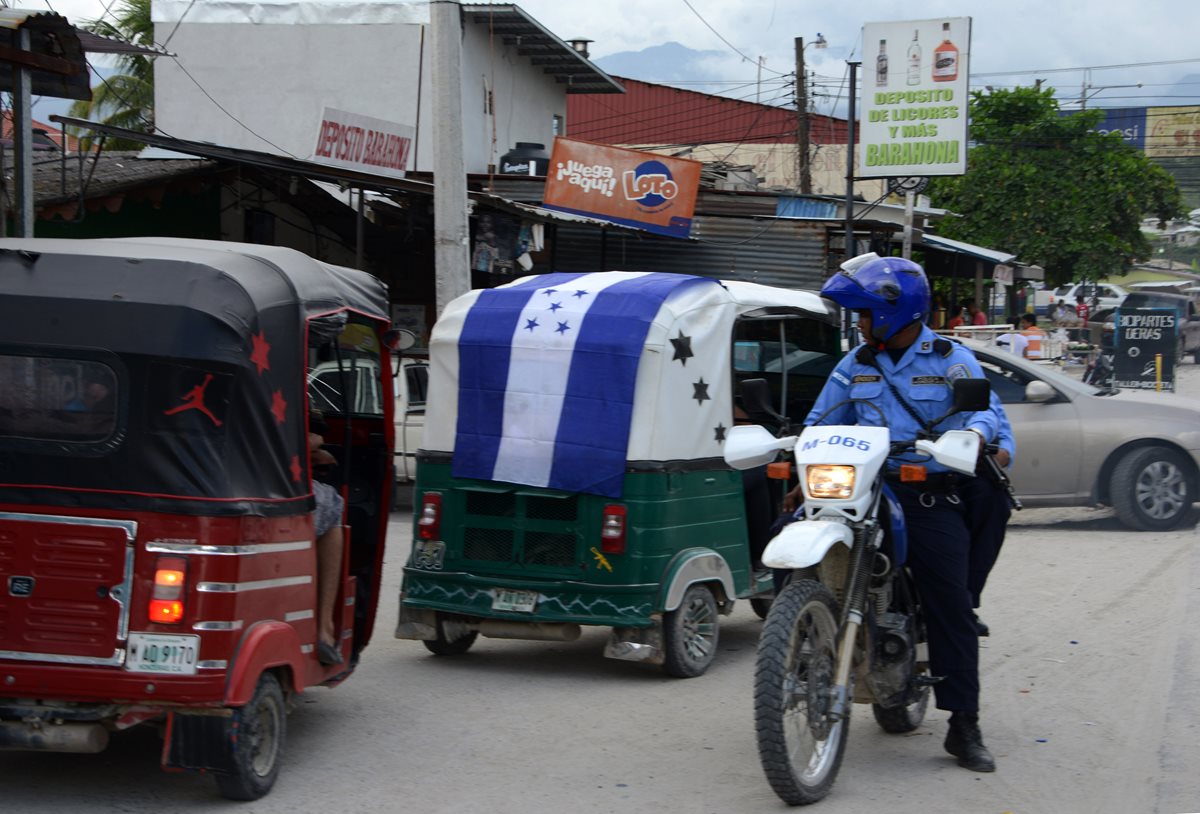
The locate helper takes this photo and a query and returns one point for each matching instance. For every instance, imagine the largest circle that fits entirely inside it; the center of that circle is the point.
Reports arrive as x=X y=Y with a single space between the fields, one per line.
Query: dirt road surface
x=1091 y=704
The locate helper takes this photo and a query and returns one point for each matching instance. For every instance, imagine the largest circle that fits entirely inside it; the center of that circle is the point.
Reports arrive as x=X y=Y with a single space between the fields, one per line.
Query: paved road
x=1091 y=704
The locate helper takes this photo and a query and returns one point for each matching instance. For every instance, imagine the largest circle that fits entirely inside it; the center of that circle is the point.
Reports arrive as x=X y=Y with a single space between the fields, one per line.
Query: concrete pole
x=852 y=99
x=451 y=232
x=22 y=101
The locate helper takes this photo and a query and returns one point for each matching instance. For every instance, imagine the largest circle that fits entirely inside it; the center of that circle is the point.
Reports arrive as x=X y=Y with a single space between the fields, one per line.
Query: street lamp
x=803 y=169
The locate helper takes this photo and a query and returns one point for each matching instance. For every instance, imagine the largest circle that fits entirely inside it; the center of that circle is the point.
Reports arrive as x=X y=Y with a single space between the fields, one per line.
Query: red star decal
x=278 y=407
x=261 y=349
x=296 y=468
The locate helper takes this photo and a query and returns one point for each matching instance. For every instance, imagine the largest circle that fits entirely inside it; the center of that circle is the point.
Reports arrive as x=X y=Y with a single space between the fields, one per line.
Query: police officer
x=988 y=510
x=901 y=378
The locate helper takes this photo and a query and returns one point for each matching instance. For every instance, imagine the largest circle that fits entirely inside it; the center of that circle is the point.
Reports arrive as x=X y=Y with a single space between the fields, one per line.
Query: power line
x=727 y=42
x=1087 y=68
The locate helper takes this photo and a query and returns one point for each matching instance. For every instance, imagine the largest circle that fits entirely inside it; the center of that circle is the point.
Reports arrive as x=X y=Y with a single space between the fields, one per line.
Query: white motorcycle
x=847 y=628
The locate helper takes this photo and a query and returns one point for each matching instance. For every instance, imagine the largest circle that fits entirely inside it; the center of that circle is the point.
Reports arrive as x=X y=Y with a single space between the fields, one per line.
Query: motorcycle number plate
x=505 y=599
x=162 y=653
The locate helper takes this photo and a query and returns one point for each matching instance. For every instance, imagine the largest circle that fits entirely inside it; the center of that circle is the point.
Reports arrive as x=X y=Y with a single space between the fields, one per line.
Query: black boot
x=965 y=742
x=980 y=626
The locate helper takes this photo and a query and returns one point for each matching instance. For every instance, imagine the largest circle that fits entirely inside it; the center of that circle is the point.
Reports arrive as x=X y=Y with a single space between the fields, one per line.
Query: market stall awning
x=959 y=247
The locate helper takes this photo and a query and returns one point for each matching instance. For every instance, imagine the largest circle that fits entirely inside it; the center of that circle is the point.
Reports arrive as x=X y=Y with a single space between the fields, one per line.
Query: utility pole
x=850 y=159
x=451 y=231
x=803 y=169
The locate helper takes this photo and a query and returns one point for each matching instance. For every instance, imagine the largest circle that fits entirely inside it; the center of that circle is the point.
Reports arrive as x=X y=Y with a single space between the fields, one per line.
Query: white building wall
x=268 y=84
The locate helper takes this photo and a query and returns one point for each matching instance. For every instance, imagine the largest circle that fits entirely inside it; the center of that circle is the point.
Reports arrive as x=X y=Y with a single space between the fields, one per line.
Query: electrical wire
x=732 y=47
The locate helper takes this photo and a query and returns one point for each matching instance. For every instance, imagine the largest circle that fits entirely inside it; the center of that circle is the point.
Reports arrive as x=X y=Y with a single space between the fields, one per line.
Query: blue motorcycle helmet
x=893 y=290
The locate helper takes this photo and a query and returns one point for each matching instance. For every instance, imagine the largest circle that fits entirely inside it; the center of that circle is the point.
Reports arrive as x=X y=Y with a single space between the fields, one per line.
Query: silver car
x=1079 y=445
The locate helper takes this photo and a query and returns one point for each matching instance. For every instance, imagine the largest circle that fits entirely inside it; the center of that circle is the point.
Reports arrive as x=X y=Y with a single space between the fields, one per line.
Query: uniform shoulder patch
x=956 y=372
x=839 y=377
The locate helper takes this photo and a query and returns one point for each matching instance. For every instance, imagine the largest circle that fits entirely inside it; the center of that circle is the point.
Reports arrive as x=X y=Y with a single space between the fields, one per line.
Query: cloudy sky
x=1123 y=43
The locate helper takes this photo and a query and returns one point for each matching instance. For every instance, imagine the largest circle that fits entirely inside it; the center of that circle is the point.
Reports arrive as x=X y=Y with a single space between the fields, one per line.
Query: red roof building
x=54 y=134
x=705 y=127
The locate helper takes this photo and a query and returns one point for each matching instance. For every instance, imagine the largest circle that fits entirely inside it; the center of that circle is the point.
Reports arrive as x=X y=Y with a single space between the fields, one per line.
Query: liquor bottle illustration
x=914 y=60
x=881 y=65
x=945 y=58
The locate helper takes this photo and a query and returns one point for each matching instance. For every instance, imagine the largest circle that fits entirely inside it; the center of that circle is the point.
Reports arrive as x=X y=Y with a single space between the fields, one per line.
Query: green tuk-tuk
x=571 y=470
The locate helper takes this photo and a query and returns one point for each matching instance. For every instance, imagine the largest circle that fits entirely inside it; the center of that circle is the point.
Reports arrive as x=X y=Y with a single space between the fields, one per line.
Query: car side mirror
x=972 y=395
x=1038 y=391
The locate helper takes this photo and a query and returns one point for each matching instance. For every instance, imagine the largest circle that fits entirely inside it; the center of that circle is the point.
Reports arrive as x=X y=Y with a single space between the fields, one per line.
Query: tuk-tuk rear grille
x=489 y=504
x=492 y=545
x=546 y=548
x=551 y=508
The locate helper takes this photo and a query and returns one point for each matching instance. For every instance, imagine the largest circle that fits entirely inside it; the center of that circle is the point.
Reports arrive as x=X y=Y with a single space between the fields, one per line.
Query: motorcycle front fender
x=805 y=543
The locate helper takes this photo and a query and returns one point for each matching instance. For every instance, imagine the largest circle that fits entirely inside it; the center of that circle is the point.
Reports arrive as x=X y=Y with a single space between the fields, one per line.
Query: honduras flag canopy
x=547 y=369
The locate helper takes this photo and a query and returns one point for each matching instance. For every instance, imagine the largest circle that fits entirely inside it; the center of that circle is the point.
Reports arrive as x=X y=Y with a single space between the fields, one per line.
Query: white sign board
x=363 y=143
x=914 y=98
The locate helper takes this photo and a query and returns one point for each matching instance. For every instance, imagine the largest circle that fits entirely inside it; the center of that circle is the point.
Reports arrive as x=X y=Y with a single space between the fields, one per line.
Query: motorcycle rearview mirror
x=749 y=446
x=972 y=395
x=969 y=396
x=756 y=401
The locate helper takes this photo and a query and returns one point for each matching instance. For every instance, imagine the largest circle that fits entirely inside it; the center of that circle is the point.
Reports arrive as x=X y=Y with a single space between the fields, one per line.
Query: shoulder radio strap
x=866 y=356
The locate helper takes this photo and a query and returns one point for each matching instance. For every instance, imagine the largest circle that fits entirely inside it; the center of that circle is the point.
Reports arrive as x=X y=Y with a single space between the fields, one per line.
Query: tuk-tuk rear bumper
x=22 y=682
x=558 y=601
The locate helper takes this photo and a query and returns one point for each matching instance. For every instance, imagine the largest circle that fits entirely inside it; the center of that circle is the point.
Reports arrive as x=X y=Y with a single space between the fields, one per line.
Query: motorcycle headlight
x=830 y=481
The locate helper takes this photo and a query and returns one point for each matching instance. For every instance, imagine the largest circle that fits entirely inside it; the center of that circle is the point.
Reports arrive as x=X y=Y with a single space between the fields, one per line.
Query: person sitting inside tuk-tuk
x=328 y=526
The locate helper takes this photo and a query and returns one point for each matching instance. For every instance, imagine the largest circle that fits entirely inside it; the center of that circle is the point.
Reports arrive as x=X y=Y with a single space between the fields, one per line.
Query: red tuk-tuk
x=157 y=552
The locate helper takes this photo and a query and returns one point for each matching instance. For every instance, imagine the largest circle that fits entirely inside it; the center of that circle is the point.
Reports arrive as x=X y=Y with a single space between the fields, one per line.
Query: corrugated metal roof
x=784 y=253
x=650 y=114
x=568 y=66
x=945 y=243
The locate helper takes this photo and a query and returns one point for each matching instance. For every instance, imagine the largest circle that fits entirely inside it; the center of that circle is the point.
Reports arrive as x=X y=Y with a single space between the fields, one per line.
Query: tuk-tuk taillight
x=429 y=524
x=166 y=601
x=612 y=529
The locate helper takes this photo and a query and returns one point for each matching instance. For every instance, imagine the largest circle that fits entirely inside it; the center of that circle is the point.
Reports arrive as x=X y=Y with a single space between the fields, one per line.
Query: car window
x=1062 y=290
x=57 y=399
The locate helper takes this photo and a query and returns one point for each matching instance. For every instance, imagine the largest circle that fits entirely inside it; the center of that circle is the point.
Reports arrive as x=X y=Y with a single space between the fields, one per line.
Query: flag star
x=279 y=407
x=700 y=392
x=550 y=291
x=683 y=349
x=719 y=431
x=579 y=292
x=261 y=349
x=562 y=328
x=530 y=324
x=554 y=306
x=295 y=468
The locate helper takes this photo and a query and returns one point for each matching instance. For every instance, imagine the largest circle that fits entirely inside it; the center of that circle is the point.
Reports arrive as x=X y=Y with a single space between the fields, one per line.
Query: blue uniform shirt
x=1004 y=435
x=923 y=376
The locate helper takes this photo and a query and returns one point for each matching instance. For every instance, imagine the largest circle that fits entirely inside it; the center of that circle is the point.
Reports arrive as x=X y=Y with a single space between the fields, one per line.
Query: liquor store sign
x=914 y=98
x=1145 y=348
x=363 y=143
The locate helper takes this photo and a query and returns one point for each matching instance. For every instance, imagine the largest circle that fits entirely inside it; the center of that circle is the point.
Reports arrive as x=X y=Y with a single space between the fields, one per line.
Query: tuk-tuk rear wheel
x=255 y=739
x=445 y=646
x=690 y=634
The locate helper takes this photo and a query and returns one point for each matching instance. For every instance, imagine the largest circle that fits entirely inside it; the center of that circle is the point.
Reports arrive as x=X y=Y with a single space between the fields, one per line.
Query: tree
x=1053 y=191
x=125 y=99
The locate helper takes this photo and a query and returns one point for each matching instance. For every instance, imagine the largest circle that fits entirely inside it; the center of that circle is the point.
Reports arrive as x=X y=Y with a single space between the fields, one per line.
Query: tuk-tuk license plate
x=504 y=599
x=162 y=653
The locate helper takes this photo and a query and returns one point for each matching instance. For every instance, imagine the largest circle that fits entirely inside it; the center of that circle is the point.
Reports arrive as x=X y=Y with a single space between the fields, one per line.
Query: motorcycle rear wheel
x=799 y=746
x=898 y=720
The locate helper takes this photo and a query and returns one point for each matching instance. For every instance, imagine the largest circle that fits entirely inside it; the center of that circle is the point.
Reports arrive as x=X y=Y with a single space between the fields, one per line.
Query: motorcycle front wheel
x=799 y=745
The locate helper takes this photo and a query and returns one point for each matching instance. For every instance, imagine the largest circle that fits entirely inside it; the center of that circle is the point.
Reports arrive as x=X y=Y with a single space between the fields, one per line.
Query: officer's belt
x=934 y=481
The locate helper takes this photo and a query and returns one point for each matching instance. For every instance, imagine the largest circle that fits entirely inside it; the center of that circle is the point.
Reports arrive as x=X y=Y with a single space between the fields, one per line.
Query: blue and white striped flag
x=546 y=376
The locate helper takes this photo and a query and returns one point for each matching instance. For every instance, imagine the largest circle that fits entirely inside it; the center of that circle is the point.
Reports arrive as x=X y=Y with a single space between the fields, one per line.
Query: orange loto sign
x=634 y=188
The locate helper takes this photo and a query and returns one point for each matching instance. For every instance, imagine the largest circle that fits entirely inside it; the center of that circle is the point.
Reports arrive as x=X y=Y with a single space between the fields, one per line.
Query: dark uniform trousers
x=988 y=510
x=939 y=549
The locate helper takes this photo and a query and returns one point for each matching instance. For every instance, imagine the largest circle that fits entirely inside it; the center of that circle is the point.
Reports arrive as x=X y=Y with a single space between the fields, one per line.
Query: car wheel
x=1152 y=489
